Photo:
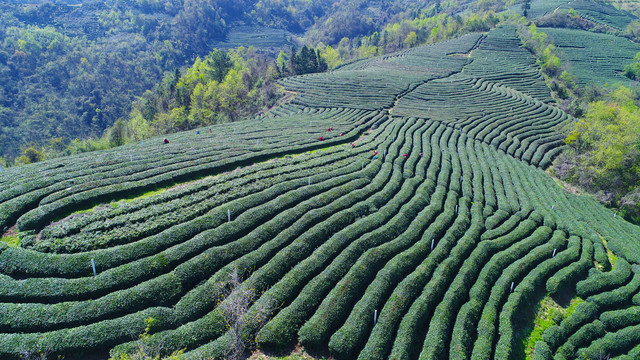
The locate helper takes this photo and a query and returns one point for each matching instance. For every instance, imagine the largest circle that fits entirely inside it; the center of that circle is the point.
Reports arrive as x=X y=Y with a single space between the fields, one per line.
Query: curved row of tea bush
x=80 y=181
x=392 y=237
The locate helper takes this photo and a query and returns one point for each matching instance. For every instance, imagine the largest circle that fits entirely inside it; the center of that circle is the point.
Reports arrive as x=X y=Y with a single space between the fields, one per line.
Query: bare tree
x=243 y=321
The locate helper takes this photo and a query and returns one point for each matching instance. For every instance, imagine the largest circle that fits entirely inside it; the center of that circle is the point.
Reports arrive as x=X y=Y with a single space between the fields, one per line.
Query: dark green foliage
x=306 y=61
x=542 y=351
x=572 y=273
x=598 y=281
x=613 y=343
x=618 y=319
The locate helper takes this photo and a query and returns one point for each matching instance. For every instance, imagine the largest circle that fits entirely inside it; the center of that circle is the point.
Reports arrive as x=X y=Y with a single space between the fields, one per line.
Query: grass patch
x=144 y=195
x=549 y=313
x=325 y=149
x=613 y=259
x=12 y=241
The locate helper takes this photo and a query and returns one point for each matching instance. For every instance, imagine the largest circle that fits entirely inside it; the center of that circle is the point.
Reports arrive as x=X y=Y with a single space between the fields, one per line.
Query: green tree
x=30 y=155
x=632 y=71
x=218 y=64
x=411 y=39
x=117 y=135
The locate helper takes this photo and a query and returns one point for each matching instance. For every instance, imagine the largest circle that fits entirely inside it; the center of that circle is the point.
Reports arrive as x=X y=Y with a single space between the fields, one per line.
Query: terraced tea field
x=599 y=13
x=592 y=57
x=396 y=208
x=257 y=36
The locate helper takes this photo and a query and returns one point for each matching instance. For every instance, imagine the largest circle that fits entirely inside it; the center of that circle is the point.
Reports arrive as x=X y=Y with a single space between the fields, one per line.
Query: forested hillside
x=71 y=70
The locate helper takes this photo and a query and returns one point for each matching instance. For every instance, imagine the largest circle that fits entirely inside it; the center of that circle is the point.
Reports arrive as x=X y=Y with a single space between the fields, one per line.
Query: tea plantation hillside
x=396 y=207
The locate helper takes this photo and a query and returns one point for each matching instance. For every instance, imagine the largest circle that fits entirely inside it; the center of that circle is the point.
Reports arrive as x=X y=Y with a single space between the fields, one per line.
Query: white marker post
x=234 y=130
x=309 y=180
x=375 y=316
x=456 y=209
x=432 y=242
x=554 y=253
x=511 y=287
x=229 y=215
x=93 y=265
x=131 y=157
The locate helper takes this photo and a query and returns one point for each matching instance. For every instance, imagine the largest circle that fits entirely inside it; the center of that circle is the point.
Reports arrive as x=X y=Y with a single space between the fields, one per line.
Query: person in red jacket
x=165 y=141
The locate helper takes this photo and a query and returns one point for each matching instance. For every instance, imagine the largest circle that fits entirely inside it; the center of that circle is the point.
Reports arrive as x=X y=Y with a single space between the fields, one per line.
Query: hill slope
x=422 y=225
